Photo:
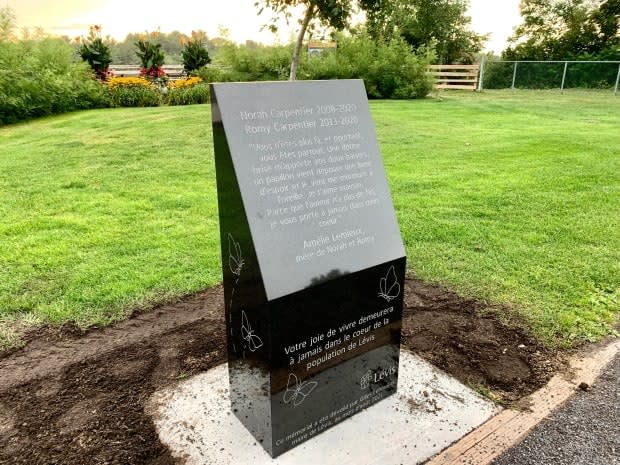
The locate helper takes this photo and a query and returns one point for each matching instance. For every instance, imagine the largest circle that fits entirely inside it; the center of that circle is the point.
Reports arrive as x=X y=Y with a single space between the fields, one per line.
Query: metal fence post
x=514 y=75
x=481 y=78
x=617 y=80
x=564 y=76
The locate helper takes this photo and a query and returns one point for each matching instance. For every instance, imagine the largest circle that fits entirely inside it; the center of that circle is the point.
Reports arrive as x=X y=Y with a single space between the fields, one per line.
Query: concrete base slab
x=429 y=412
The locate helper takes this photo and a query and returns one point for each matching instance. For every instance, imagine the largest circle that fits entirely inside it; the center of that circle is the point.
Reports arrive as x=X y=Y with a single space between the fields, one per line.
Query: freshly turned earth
x=76 y=398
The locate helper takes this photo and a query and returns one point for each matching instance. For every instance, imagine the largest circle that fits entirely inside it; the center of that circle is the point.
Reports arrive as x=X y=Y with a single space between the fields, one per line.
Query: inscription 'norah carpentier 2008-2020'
x=317 y=116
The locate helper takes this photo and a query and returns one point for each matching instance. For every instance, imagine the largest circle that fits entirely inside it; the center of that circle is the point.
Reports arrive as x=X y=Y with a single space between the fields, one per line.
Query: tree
x=439 y=23
x=561 y=29
x=330 y=13
x=607 y=21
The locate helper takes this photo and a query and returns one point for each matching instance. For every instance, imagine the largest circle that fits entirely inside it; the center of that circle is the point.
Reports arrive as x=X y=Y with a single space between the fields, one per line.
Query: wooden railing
x=463 y=77
x=173 y=71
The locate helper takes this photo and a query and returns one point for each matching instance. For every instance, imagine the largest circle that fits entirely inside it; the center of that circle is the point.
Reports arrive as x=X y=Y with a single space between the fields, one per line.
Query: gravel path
x=585 y=431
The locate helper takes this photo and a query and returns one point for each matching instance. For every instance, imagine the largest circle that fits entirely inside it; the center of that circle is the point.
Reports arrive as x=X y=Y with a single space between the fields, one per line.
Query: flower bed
x=143 y=92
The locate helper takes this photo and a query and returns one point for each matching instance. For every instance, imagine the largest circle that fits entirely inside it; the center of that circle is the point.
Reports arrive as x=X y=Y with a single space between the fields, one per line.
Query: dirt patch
x=466 y=339
x=71 y=398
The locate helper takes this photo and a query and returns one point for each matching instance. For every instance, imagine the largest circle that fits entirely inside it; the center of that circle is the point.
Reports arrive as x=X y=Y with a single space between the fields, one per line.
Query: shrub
x=208 y=74
x=253 y=64
x=133 y=92
x=189 y=95
x=389 y=69
x=152 y=61
x=194 y=56
x=96 y=53
x=39 y=78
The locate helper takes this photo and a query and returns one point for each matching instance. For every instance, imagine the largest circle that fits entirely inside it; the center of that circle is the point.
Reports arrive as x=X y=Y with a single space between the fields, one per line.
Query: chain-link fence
x=550 y=74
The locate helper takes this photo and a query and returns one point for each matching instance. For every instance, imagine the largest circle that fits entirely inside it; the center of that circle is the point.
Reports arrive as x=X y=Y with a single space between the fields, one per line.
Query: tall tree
x=330 y=13
x=607 y=21
x=443 y=24
x=561 y=29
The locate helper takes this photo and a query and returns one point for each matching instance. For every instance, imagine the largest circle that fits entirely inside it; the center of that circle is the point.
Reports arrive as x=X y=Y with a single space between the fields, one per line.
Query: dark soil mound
x=70 y=398
x=467 y=340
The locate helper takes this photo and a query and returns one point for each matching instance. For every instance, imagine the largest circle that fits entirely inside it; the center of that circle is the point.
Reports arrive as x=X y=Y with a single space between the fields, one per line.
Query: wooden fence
x=463 y=77
x=173 y=71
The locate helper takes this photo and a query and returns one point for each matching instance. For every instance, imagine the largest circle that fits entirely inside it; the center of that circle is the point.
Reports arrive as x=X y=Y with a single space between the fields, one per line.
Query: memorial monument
x=312 y=257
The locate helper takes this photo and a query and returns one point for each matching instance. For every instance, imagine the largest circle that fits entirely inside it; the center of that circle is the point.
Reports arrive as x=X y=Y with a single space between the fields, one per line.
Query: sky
x=119 y=17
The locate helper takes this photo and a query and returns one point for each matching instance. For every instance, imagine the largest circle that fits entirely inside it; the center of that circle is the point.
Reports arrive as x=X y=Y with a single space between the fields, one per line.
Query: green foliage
x=389 y=69
x=96 y=53
x=250 y=64
x=152 y=61
x=191 y=95
x=135 y=96
x=194 y=55
x=442 y=24
x=208 y=74
x=565 y=29
x=332 y=13
x=499 y=74
x=123 y=52
x=150 y=54
x=7 y=23
x=39 y=77
x=327 y=13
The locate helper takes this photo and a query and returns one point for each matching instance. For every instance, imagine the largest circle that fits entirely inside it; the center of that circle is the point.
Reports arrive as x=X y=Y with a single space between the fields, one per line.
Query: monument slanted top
x=311 y=178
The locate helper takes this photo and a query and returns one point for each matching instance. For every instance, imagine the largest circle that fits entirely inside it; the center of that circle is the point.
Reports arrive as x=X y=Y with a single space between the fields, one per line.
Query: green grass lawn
x=511 y=197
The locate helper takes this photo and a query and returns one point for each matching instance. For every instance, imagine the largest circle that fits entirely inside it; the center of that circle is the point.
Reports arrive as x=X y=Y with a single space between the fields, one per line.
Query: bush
x=151 y=60
x=134 y=92
x=39 y=78
x=189 y=95
x=208 y=74
x=244 y=63
x=389 y=69
x=96 y=53
x=194 y=55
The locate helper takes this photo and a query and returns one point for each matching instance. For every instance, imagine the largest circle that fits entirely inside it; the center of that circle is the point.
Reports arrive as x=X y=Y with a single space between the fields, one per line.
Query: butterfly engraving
x=253 y=341
x=235 y=260
x=297 y=392
x=389 y=288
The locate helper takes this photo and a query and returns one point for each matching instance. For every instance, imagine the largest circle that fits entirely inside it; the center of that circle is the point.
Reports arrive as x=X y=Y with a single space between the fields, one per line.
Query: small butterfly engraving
x=297 y=392
x=254 y=342
x=389 y=288
x=235 y=260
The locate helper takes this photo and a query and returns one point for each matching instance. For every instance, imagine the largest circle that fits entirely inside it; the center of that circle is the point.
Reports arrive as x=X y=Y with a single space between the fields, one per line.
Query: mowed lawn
x=509 y=197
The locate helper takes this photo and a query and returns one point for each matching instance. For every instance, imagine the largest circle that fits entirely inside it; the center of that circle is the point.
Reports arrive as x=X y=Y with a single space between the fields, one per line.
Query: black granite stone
x=313 y=261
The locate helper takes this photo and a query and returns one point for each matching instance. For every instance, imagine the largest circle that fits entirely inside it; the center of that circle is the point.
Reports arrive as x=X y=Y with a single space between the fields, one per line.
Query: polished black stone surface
x=313 y=262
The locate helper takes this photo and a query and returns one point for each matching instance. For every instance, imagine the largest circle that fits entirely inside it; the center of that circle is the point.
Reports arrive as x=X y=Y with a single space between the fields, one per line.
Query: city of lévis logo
x=365 y=380
x=372 y=377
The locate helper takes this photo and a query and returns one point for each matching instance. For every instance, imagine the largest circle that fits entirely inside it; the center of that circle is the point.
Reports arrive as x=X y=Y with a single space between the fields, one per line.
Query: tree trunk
x=299 y=43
